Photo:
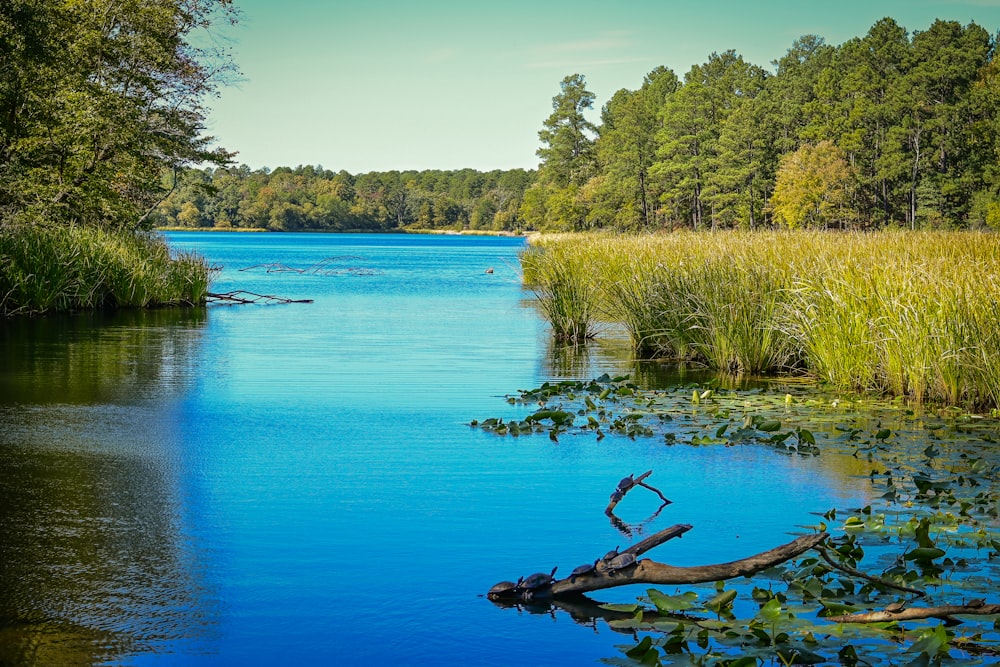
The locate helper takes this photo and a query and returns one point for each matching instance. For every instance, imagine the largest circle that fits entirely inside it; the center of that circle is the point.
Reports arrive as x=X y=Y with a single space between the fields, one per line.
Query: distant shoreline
x=441 y=232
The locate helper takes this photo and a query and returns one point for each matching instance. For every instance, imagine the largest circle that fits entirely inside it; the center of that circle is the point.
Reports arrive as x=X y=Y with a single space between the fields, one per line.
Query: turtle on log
x=535 y=585
x=581 y=570
x=620 y=562
x=503 y=590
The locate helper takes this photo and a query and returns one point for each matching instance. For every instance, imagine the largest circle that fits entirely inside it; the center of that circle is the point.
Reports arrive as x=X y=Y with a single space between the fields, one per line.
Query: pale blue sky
x=374 y=85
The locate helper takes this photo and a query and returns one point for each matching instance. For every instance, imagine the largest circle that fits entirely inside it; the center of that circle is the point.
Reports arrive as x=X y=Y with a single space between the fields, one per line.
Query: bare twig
x=627 y=485
x=823 y=551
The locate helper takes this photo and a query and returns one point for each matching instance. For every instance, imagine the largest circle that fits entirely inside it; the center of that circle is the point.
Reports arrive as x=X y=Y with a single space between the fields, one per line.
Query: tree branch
x=825 y=555
x=945 y=612
x=627 y=485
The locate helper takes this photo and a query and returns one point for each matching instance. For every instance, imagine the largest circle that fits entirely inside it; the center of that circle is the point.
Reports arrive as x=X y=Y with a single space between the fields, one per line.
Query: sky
x=380 y=85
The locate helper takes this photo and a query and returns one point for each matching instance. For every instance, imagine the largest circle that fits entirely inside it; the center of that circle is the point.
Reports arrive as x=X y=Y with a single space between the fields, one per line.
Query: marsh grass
x=903 y=313
x=565 y=286
x=45 y=268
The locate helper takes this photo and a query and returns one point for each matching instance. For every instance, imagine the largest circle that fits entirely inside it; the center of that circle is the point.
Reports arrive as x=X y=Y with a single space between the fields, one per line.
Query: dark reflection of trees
x=96 y=358
x=95 y=562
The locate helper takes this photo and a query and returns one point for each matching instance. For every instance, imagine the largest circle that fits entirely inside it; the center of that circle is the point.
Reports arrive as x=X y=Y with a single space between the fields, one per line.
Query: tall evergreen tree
x=626 y=149
x=568 y=137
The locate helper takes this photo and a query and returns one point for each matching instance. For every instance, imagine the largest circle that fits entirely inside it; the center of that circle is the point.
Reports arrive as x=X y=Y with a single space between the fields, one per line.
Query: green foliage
x=311 y=198
x=566 y=294
x=49 y=268
x=903 y=313
x=568 y=151
x=97 y=98
x=812 y=188
x=888 y=129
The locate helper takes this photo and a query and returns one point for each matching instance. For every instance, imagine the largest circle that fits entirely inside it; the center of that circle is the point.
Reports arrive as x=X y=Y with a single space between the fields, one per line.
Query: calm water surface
x=297 y=484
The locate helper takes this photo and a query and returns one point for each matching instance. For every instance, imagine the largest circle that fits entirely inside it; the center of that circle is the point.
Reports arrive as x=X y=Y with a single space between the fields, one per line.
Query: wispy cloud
x=543 y=64
x=608 y=48
x=440 y=55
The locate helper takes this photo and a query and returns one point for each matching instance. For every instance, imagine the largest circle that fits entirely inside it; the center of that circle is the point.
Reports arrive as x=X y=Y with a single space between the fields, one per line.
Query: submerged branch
x=627 y=485
x=242 y=296
x=825 y=555
x=945 y=612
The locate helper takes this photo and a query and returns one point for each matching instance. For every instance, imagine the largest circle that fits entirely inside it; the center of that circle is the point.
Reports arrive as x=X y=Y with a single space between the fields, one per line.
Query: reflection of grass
x=935 y=526
x=912 y=314
x=72 y=268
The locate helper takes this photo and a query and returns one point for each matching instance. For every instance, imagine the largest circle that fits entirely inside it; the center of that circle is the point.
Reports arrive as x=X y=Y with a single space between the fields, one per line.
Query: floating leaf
x=770 y=612
x=641 y=648
x=924 y=554
x=671 y=603
x=623 y=608
x=832 y=608
x=721 y=601
x=769 y=425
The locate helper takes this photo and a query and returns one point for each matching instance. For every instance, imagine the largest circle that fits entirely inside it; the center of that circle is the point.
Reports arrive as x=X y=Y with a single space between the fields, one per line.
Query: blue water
x=298 y=483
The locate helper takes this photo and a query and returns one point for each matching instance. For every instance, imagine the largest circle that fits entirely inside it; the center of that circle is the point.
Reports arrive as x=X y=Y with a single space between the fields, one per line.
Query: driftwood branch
x=650 y=572
x=627 y=485
x=946 y=612
x=241 y=296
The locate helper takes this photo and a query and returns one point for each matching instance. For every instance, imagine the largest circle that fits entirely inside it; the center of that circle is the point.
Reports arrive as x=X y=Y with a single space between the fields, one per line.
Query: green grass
x=902 y=313
x=50 y=269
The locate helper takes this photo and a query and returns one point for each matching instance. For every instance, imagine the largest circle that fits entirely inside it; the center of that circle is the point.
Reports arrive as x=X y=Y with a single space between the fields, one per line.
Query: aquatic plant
x=911 y=314
x=50 y=268
x=566 y=292
x=930 y=536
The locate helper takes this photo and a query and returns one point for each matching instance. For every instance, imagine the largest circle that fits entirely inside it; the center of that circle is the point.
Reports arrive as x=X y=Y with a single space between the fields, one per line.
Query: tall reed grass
x=904 y=313
x=47 y=268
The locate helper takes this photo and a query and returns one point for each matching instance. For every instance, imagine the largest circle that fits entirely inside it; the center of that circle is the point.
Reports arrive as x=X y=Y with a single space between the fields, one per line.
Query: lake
x=299 y=484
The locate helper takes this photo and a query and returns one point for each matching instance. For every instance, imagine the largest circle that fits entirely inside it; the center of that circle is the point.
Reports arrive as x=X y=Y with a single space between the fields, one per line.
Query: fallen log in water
x=242 y=296
x=647 y=571
x=624 y=568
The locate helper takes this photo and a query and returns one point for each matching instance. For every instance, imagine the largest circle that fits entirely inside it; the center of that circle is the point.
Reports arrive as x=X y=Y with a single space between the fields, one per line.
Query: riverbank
x=442 y=232
x=911 y=314
x=48 y=269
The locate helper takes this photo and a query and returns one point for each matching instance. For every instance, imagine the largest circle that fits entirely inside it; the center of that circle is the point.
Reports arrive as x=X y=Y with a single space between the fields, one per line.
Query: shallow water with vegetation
x=299 y=484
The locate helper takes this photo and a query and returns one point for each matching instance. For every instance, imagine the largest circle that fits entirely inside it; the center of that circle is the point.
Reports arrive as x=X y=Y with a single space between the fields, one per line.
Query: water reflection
x=635 y=529
x=97 y=358
x=95 y=562
x=612 y=353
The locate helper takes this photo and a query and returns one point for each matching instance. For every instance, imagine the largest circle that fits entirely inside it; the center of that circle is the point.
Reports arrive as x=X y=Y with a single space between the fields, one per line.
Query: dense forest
x=890 y=129
x=314 y=199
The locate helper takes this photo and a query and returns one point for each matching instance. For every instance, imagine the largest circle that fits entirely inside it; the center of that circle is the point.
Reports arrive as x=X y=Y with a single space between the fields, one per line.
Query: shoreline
x=261 y=230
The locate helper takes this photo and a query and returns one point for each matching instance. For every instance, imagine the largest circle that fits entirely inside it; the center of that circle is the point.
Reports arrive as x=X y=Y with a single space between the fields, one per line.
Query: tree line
x=309 y=198
x=890 y=129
